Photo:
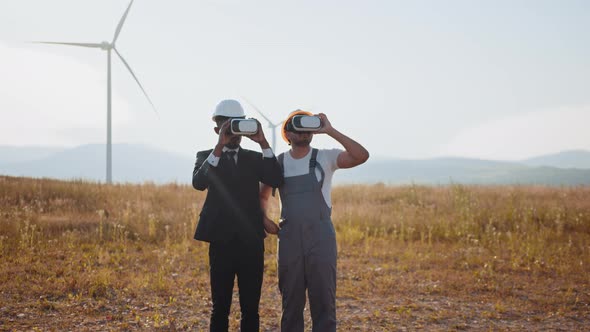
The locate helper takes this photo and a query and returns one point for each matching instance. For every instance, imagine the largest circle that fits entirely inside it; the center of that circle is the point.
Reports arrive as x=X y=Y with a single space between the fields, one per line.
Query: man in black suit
x=231 y=219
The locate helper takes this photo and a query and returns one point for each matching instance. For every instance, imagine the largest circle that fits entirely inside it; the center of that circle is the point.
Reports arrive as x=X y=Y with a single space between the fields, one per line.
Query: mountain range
x=139 y=163
x=131 y=163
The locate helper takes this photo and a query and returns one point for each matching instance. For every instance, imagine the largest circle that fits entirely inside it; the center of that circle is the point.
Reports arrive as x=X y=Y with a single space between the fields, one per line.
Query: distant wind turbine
x=271 y=125
x=106 y=46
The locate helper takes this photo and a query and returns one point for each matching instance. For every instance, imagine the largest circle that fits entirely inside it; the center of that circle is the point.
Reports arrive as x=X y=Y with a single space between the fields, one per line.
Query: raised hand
x=326 y=125
x=225 y=135
x=259 y=137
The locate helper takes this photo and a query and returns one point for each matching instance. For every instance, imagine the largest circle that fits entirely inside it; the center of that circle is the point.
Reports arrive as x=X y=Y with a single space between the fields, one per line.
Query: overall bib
x=306 y=252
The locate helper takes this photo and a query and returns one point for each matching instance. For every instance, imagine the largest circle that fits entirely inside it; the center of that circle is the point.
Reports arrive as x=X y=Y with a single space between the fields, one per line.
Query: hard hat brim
x=291 y=115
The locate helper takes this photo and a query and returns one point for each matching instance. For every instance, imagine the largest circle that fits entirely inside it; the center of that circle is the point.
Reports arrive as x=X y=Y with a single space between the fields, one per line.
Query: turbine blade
x=136 y=80
x=121 y=22
x=92 y=45
x=260 y=112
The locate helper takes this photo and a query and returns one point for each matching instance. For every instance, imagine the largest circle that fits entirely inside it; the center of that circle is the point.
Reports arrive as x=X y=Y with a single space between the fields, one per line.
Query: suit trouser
x=228 y=260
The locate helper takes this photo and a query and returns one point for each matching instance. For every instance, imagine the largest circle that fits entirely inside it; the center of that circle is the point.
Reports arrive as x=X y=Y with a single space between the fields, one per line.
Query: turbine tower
x=108 y=47
x=271 y=125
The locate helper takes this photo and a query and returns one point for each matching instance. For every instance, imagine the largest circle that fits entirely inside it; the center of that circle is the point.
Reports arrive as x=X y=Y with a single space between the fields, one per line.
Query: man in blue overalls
x=307 y=240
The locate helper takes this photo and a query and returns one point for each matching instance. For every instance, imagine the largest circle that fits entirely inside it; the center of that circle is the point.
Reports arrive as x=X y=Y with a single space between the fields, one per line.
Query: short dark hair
x=220 y=119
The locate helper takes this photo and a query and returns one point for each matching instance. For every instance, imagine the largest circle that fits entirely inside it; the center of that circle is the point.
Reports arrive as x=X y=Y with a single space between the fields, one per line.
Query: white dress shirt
x=214 y=160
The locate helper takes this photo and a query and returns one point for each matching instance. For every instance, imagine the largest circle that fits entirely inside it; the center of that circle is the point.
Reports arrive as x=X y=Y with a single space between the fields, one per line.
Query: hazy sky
x=411 y=79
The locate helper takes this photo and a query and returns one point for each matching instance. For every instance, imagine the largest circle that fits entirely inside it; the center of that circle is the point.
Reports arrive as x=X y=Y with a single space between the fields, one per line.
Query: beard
x=302 y=141
x=234 y=143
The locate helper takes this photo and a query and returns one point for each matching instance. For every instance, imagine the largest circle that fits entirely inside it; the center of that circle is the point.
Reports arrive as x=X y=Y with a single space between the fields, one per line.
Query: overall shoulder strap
x=313 y=164
x=313 y=160
x=281 y=160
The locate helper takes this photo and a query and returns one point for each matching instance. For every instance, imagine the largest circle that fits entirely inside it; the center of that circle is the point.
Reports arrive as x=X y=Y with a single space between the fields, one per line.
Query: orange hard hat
x=291 y=115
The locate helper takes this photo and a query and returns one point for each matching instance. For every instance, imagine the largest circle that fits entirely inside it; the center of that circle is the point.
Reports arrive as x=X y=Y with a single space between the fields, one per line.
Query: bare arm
x=269 y=226
x=354 y=154
x=270 y=171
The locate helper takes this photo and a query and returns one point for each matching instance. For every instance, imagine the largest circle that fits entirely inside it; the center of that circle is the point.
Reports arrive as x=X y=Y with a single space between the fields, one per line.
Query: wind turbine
x=106 y=46
x=271 y=125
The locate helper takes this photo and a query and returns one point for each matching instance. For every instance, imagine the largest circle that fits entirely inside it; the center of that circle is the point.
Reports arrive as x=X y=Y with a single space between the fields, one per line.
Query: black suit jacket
x=232 y=206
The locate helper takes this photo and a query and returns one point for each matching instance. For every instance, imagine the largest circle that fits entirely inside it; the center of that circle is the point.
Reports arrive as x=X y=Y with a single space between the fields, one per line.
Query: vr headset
x=307 y=123
x=243 y=126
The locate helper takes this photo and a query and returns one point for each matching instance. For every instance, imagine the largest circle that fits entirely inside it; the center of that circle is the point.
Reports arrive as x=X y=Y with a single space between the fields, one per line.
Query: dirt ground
x=78 y=256
x=373 y=295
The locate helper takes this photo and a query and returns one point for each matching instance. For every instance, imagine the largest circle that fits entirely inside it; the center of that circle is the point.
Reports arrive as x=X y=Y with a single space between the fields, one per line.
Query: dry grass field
x=85 y=257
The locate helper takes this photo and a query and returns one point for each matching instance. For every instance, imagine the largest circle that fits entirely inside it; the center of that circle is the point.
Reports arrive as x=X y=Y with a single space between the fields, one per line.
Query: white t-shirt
x=327 y=158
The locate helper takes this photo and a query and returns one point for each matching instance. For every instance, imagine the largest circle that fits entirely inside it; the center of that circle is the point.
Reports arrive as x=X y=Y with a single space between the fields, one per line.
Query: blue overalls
x=307 y=252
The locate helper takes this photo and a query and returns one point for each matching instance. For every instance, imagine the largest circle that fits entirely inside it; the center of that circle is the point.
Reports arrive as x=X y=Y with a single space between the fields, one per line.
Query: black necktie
x=230 y=155
x=231 y=162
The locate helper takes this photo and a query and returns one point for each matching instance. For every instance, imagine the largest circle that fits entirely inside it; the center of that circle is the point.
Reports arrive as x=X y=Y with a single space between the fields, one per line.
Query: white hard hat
x=229 y=108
